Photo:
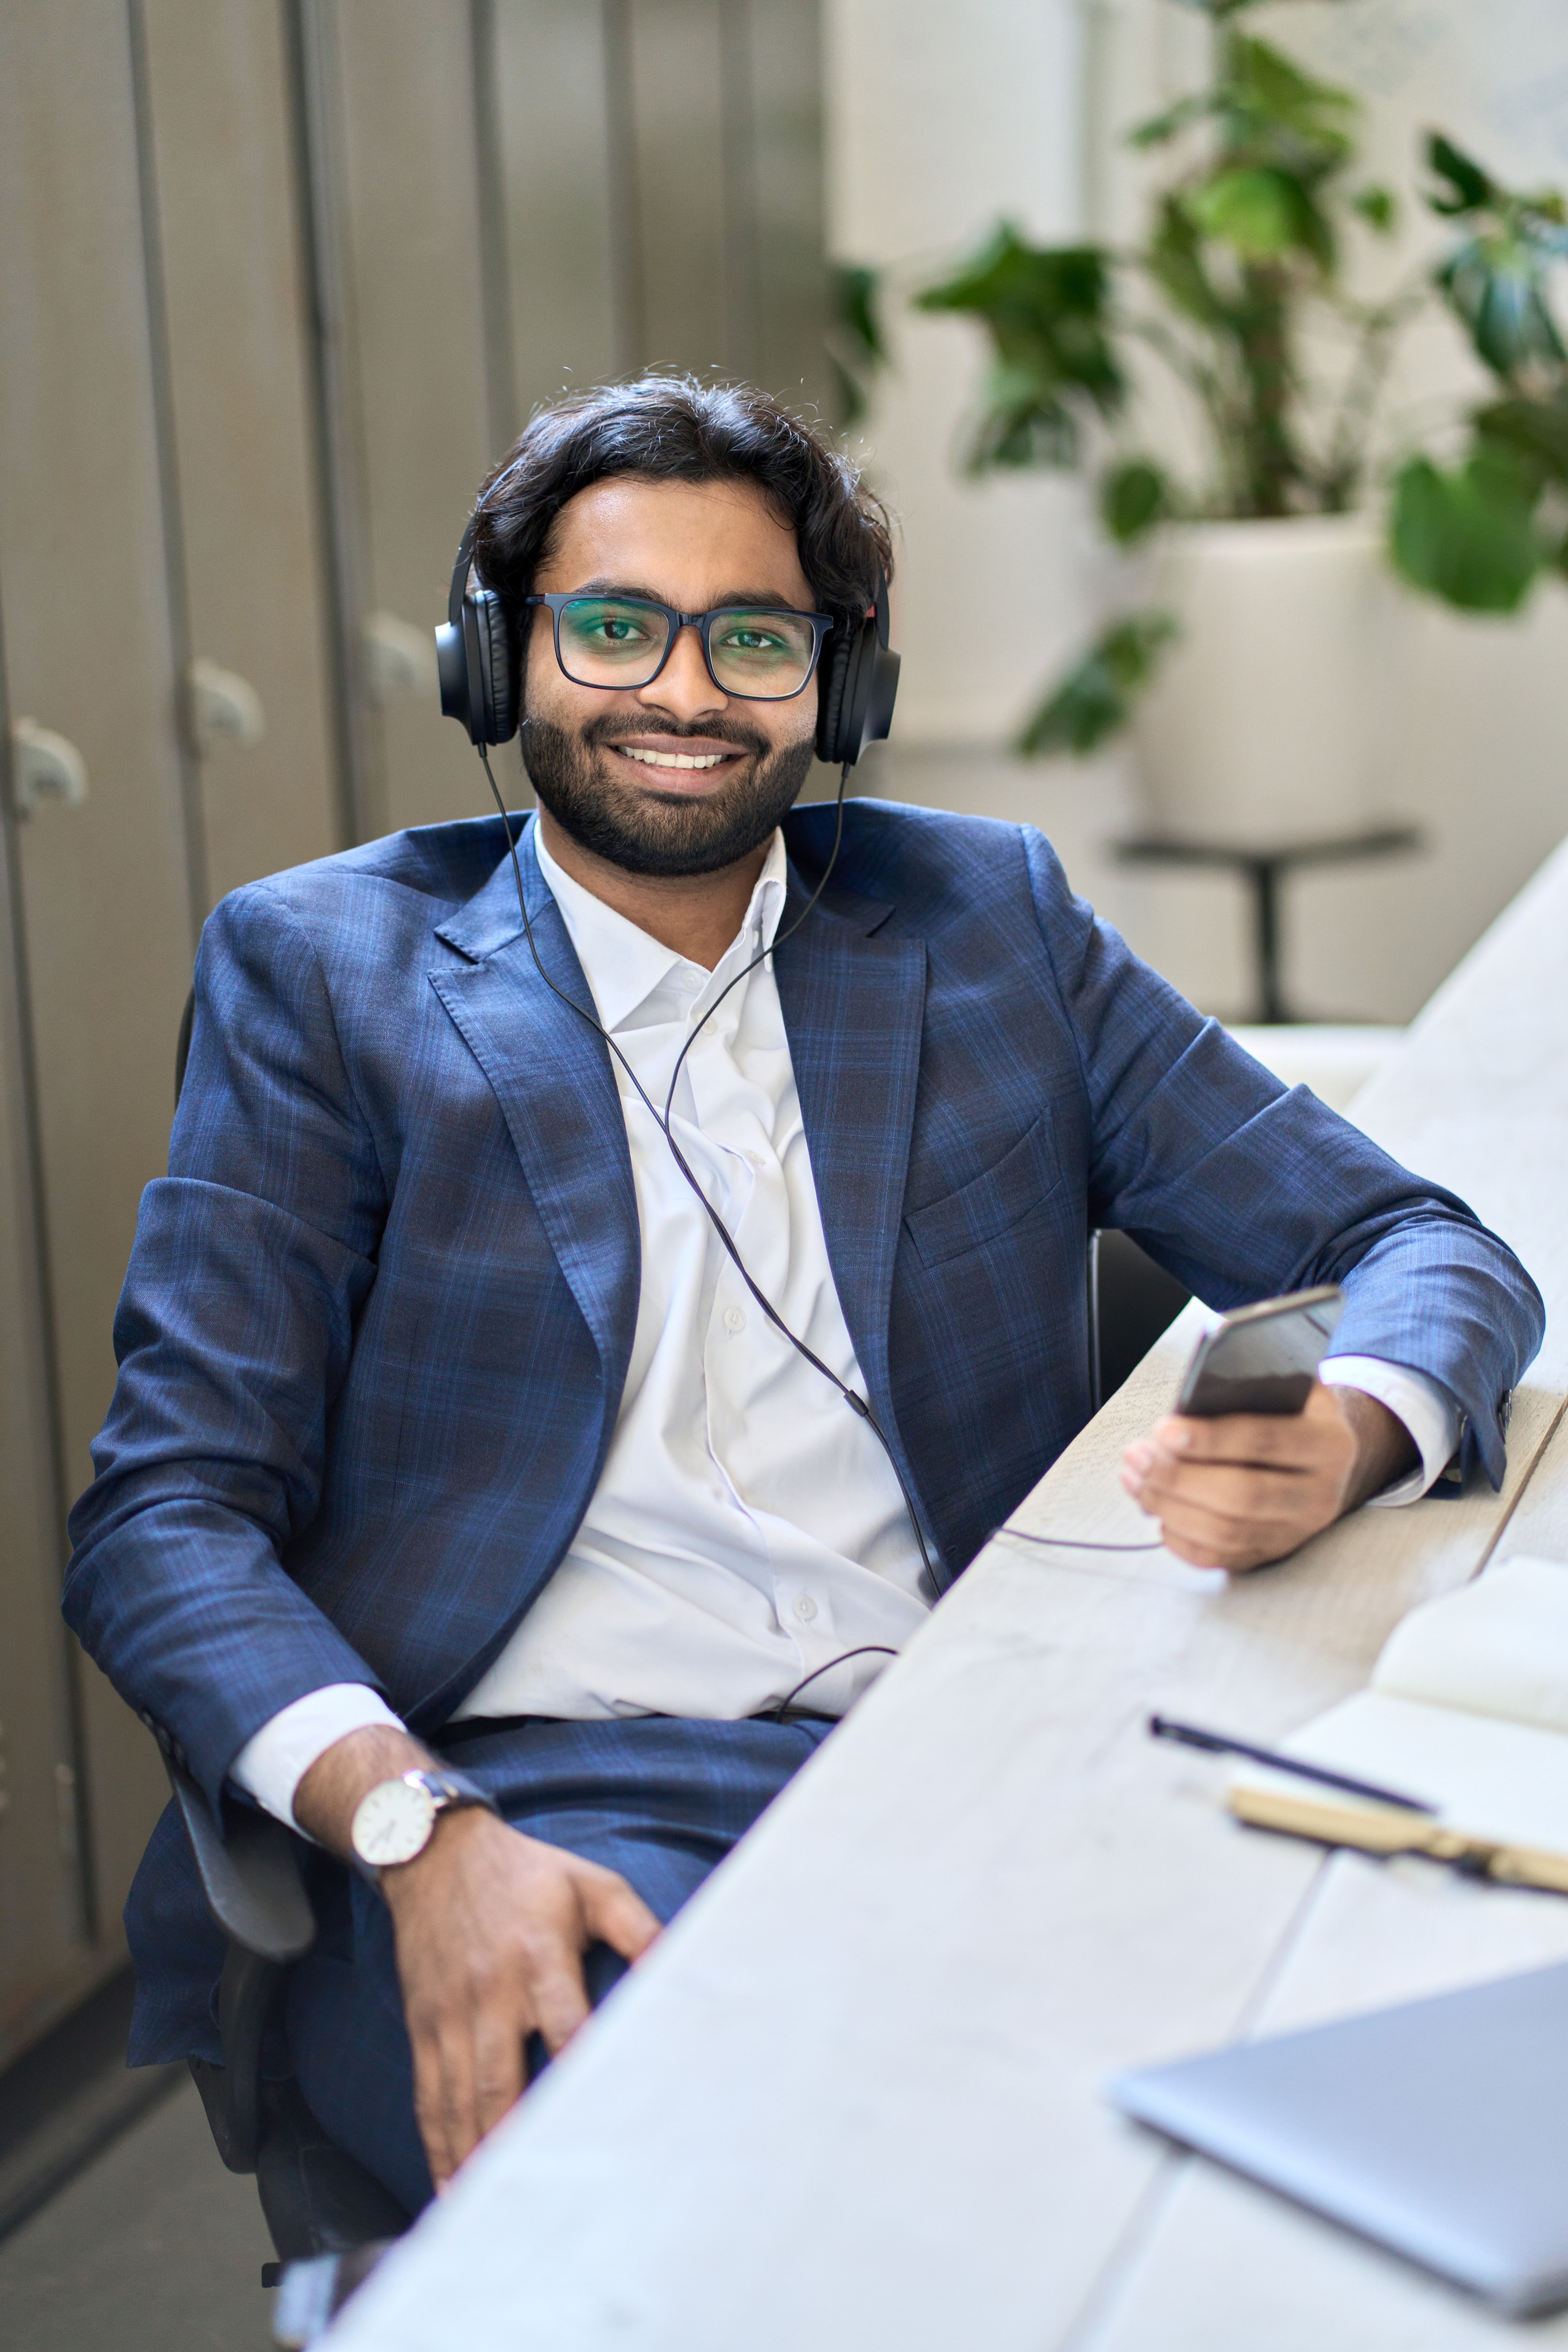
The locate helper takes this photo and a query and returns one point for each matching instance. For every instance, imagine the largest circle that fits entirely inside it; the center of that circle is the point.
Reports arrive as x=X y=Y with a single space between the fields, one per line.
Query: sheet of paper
x=1499 y=1647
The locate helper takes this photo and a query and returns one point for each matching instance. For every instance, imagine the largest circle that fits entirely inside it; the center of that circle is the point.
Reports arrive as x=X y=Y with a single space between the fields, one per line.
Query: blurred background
x=279 y=279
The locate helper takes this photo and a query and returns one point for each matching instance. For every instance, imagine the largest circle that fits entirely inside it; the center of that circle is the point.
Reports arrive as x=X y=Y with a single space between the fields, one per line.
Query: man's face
x=603 y=763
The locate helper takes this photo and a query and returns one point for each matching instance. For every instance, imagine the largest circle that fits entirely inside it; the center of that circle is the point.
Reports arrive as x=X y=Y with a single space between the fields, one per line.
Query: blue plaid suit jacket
x=377 y=1320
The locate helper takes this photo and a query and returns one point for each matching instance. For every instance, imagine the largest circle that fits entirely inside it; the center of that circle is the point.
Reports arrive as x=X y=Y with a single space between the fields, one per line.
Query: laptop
x=1439 y=2128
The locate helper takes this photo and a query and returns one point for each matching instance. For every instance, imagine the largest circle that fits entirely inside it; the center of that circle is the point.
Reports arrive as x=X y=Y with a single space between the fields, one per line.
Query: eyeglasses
x=756 y=652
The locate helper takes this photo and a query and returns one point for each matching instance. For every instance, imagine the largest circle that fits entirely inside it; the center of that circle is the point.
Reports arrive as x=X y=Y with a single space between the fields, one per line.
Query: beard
x=649 y=831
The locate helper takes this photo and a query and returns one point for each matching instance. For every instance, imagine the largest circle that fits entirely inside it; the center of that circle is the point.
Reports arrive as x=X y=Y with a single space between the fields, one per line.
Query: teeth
x=673 y=759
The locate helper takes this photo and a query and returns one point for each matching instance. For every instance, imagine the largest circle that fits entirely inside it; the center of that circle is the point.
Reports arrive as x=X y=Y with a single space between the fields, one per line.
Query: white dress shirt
x=747 y=1527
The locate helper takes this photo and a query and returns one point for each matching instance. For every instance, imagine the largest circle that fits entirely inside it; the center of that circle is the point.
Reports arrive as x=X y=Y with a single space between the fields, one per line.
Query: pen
x=1216 y=1743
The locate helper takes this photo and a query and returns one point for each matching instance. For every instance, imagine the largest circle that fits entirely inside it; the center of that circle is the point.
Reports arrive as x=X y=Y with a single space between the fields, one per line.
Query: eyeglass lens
x=612 y=641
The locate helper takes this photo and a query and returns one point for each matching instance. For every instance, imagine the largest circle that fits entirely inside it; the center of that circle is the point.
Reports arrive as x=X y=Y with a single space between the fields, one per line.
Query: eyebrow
x=770 y=599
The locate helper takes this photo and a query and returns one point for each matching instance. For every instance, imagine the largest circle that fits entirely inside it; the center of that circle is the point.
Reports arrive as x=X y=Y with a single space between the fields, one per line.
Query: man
x=449 y=1432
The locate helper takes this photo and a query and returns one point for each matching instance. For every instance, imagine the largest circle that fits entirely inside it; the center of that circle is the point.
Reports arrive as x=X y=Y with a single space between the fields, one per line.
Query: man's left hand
x=1247 y=1488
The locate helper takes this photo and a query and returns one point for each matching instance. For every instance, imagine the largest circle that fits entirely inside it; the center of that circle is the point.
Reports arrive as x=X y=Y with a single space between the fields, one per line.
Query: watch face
x=394 y=1823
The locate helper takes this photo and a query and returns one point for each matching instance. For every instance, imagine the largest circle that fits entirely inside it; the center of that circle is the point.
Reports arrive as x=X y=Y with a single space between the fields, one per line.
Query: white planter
x=1269 y=717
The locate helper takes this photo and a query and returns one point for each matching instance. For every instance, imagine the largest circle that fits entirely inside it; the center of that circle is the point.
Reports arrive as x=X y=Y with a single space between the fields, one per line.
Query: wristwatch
x=394 y=1820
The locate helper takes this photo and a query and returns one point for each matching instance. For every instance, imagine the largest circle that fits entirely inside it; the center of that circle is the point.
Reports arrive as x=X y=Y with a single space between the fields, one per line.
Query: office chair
x=329 y=2218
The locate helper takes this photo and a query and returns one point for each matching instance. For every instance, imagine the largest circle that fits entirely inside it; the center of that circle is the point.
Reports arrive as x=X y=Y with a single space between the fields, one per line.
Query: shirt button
x=805 y=1609
x=692 y=978
x=734 y=1318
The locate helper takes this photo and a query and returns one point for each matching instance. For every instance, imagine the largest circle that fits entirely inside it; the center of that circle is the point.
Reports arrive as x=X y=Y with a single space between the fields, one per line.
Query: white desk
x=853 y=2099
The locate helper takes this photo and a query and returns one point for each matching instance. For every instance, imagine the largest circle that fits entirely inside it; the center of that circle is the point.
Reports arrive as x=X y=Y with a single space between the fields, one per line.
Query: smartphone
x=1263 y=1358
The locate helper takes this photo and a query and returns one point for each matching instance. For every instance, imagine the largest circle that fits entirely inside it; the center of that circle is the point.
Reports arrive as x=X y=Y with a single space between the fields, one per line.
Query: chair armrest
x=250 y=1876
x=253 y=1890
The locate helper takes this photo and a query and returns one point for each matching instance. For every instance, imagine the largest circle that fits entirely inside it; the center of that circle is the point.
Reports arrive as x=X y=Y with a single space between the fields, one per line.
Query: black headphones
x=478 y=662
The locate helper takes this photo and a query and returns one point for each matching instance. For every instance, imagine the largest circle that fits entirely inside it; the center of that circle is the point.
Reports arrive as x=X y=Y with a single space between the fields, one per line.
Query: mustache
x=721 y=729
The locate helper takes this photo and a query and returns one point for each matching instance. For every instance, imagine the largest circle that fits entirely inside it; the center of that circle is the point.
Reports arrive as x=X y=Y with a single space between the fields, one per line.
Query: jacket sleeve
x=251 y=1261
x=1244 y=1190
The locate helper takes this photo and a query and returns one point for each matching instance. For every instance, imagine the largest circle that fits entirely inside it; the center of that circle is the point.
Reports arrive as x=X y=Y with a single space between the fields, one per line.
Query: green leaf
x=1377 y=207
x=1095 y=700
x=1467 y=535
x=855 y=295
x=857 y=349
x=1262 y=214
x=1023 y=422
x=1269 y=98
x=1133 y=497
x=1175 y=262
x=1534 y=431
x=1473 y=191
x=1161 y=127
x=1046 y=309
x=1497 y=287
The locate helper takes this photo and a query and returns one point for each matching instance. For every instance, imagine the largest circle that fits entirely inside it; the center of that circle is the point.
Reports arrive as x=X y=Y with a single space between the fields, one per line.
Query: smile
x=675 y=759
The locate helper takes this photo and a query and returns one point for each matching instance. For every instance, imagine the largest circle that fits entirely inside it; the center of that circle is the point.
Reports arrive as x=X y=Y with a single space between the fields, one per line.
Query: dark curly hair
x=676 y=428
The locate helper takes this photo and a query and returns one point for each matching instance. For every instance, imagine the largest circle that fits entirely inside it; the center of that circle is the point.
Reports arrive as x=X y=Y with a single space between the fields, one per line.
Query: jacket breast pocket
x=991 y=1204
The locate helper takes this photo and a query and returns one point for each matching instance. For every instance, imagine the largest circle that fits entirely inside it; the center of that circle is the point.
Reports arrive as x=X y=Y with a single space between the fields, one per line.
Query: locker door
x=689 y=277
x=565 y=195
x=398 y=198
x=105 y=889
x=777 y=46
x=230 y=330
x=42 y=1926
x=720 y=104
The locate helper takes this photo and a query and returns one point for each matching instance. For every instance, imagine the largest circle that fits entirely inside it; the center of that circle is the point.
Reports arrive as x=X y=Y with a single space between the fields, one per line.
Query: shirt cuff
x=275 y=1760
x=1428 y=1411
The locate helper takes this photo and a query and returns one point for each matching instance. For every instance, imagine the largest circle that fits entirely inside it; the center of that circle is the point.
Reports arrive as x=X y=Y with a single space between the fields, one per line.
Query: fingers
x=498 y=2067
x=491 y=1928
x=616 y=1914
x=1288 y=1440
x=608 y=1911
x=1209 y=1538
x=444 y=2101
x=558 y=1998
x=468 y=2055
x=1237 y=1491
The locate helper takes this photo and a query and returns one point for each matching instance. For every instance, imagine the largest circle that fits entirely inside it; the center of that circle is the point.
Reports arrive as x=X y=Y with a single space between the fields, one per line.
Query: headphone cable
x=1070 y=1543
x=856 y=1402
x=865 y=1650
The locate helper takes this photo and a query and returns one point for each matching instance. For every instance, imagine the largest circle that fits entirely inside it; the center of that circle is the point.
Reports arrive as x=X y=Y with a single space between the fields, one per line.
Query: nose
x=683 y=687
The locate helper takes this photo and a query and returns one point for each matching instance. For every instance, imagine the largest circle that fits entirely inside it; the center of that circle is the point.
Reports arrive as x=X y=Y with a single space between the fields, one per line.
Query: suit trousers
x=659 y=1799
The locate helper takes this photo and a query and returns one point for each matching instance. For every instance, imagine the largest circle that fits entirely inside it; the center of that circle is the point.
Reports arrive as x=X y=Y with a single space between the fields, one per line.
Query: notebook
x=1467 y=1711
x=1439 y=2129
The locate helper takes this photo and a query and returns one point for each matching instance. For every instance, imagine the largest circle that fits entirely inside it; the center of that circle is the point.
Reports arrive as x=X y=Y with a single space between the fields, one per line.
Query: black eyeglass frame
x=677 y=620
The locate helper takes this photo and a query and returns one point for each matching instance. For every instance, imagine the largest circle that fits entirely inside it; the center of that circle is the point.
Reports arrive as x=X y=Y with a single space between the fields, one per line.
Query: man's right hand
x=490 y=1929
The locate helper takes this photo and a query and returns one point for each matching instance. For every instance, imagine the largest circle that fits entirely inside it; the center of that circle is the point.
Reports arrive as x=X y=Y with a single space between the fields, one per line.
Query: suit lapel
x=854 y=1007
x=552 y=1076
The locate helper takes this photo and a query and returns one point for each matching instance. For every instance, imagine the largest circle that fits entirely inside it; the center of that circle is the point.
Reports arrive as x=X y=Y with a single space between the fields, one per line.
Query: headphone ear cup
x=488 y=644
x=857 y=697
x=832 y=679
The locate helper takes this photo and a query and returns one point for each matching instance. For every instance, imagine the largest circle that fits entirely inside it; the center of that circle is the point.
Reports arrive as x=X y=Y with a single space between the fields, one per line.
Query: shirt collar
x=624 y=964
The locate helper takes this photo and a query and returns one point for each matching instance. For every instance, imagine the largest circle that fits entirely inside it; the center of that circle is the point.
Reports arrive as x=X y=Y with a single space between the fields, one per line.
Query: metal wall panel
x=42 y=1911
x=409 y=235
x=218 y=154
x=682 y=310
x=565 y=193
x=780 y=175
x=106 y=887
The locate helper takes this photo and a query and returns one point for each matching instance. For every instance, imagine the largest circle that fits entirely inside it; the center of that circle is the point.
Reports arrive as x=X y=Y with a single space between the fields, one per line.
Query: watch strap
x=452 y=1789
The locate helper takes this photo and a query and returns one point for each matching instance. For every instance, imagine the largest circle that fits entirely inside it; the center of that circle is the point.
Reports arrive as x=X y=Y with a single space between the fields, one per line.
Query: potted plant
x=1252 y=666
